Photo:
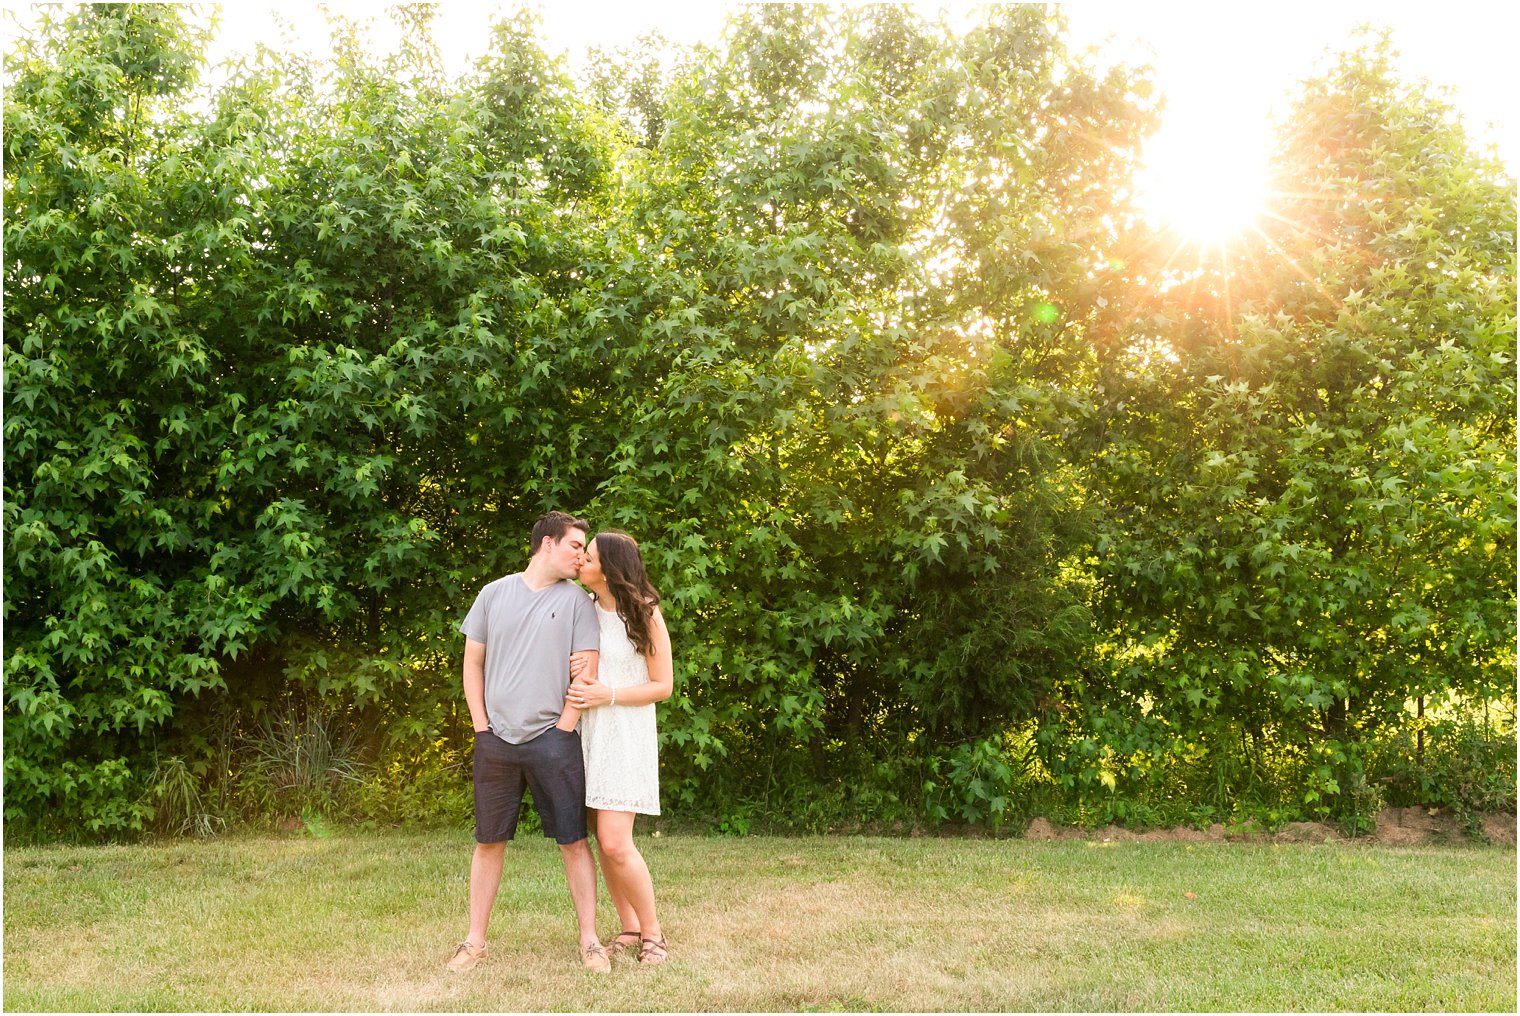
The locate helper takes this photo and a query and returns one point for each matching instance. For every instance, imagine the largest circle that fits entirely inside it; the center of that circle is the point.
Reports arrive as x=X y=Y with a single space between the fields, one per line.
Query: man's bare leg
x=580 y=875
x=485 y=879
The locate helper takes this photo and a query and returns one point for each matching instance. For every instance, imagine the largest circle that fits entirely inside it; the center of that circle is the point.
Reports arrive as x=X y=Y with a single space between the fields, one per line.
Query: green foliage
x=299 y=763
x=102 y=352
x=1308 y=464
x=975 y=785
x=846 y=468
x=276 y=377
x=180 y=805
x=952 y=475
x=417 y=785
x=1464 y=762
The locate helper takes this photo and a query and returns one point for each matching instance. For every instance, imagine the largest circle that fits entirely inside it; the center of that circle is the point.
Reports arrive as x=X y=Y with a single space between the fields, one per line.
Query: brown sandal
x=651 y=952
x=617 y=945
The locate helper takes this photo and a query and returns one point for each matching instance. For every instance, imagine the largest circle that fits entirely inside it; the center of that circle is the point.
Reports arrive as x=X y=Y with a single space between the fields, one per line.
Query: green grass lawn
x=365 y=922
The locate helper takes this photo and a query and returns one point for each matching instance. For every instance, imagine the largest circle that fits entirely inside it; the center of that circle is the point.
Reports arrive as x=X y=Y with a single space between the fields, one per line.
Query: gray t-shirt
x=529 y=637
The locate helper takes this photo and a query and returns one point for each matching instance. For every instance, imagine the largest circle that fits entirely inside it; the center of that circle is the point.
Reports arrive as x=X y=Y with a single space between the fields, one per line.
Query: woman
x=618 y=731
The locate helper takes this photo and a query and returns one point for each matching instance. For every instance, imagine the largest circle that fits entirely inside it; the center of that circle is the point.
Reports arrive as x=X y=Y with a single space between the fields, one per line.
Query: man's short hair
x=555 y=525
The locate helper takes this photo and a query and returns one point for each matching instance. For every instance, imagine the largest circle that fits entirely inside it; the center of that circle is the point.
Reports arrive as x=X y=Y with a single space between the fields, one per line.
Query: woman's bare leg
x=628 y=918
x=627 y=875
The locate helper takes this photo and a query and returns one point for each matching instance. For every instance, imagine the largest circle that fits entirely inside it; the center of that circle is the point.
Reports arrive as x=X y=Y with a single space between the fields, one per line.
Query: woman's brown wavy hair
x=635 y=596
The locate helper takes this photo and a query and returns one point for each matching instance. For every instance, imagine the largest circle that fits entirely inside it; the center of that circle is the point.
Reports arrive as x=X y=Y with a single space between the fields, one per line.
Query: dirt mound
x=1500 y=829
x=1406 y=827
x=1306 y=832
x=1402 y=827
x=1041 y=829
x=1184 y=834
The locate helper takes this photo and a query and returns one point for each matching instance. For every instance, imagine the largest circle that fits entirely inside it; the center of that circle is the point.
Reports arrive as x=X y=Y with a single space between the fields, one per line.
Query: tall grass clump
x=299 y=761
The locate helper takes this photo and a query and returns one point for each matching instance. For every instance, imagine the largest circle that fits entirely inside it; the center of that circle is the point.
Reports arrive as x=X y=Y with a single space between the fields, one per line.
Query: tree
x=281 y=379
x=111 y=207
x=869 y=283
x=1309 y=475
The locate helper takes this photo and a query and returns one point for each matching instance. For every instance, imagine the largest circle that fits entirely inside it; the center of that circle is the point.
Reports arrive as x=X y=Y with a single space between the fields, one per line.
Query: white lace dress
x=618 y=742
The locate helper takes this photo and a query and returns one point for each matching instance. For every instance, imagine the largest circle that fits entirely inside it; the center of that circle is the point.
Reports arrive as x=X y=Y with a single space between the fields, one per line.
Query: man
x=520 y=637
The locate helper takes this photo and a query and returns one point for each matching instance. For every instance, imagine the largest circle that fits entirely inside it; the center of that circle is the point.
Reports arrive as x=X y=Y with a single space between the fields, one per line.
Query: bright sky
x=1227 y=69
x=1224 y=67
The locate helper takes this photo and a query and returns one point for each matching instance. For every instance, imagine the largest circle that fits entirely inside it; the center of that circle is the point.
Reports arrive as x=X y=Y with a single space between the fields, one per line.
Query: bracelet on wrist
x=614 y=698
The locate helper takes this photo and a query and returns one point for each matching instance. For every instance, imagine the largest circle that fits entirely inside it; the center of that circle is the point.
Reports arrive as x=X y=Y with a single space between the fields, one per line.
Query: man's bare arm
x=475 y=683
x=582 y=669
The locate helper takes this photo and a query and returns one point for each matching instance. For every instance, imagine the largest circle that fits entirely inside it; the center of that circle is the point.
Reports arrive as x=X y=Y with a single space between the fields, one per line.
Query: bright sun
x=1207 y=186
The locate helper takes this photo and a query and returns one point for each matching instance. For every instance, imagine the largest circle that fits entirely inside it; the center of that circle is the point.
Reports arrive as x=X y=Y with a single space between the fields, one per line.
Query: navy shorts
x=550 y=764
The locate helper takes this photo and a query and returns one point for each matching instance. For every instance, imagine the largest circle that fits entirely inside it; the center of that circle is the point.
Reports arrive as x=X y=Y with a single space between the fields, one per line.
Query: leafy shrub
x=418 y=785
x=974 y=783
x=1357 y=803
x=93 y=801
x=1472 y=769
x=1467 y=765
